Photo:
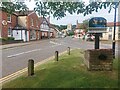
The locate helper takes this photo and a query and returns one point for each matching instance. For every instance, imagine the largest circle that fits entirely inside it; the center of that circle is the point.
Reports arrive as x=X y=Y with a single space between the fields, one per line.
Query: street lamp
x=113 y=43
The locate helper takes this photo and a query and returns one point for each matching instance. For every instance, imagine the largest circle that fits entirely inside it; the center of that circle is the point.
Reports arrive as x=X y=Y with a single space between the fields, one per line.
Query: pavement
x=6 y=46
x=13 y=45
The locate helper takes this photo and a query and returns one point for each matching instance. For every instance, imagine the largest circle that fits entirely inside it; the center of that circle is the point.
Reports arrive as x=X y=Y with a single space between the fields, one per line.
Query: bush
x=10 y=38
x=3 y=39
x=7 y=39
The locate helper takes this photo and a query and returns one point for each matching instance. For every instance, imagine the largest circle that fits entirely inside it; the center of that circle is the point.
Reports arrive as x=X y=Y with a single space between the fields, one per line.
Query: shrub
x=10 y=38
x=3 y=39
x=7 y=39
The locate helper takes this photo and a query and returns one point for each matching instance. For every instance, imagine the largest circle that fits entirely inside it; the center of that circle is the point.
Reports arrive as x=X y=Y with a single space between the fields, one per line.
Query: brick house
x=78 y=32
x=27 y=27
x=8 y=22
x=110 y=29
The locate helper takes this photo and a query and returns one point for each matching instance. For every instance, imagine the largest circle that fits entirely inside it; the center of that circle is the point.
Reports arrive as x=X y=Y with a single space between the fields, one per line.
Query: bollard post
x=30 y=67
x=68 y=50
x=56 y=55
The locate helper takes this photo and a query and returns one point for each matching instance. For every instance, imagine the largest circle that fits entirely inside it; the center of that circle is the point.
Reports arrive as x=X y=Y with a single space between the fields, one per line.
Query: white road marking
x=55 y=43
x=23 y=53
x=14 y=55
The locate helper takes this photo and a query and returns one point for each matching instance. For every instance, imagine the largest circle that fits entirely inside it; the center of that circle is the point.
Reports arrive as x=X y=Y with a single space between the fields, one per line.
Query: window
x=31 y=22
x=9 y=31
x=110 y=29
x=9 y=18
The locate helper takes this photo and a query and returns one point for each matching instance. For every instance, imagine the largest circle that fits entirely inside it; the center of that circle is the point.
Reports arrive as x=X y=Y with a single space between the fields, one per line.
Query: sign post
x=97 y=26
x=98 y=59
x=97 y=40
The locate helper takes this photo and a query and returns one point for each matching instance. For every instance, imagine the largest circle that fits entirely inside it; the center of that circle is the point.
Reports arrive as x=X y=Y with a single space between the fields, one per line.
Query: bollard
x=30 y=67
x=56 y=55
x=68 y=50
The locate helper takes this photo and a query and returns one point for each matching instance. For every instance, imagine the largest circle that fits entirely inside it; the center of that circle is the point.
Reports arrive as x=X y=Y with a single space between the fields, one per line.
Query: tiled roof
x=112 y=24
x=41 y=19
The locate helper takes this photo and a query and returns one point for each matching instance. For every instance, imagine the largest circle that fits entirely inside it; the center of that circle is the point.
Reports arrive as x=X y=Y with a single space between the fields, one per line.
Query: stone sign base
x=99 y=59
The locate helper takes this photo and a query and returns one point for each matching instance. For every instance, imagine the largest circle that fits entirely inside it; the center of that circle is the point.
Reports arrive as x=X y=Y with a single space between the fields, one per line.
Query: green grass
x=68 y=72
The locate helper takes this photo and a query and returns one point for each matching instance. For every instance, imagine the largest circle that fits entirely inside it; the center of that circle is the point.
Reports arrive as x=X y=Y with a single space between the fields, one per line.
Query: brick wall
x=99 y=59
x=35 y=19
x=33 y=16
x=4 y=32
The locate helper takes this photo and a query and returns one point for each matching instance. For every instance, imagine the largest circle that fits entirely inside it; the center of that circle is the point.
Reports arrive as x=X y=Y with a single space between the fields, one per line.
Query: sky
x=71 y=19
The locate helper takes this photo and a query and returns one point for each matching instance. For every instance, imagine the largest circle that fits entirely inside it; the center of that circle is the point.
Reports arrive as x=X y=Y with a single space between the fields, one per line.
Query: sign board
x=97 y=25
x=4 y=22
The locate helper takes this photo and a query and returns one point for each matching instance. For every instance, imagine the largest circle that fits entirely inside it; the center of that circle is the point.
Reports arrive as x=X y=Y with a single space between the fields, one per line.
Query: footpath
x=6 y=46
x=13 y=45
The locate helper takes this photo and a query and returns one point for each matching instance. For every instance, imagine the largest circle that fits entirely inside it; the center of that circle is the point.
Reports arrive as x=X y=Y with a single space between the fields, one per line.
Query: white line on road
x=14 y=55
x=55 y=43
x=23 y=53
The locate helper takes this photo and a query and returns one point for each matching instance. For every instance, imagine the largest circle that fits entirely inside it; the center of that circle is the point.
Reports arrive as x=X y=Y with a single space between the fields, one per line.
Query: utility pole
x=114 y=43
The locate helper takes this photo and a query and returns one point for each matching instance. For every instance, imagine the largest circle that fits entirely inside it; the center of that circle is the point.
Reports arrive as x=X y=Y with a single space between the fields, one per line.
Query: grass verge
x=68 y=72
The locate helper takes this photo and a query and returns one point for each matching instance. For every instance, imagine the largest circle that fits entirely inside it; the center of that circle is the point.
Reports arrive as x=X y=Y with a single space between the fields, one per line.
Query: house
x=8 y=22
x=27 y=27
x=47 y=30
x=55 y=31
x=110 y=30
x=78 y=32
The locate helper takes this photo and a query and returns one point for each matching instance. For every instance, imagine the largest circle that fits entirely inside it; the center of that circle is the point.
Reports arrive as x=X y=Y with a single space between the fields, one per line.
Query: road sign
x=97 y=25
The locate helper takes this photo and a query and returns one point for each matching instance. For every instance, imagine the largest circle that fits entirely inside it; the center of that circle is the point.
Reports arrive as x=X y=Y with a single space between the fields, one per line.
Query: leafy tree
x=70 y=33
x=63 y=27
x=59 y=9
x=42 y=8
x=11 y=7
x=86 y=24
x=73 y=27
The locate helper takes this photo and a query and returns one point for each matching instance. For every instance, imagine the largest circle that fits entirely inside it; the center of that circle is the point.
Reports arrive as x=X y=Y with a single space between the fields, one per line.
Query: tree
x=86 y=24
x=59 y=9
x=63 y=27
x=11 y=7
x=42 y=9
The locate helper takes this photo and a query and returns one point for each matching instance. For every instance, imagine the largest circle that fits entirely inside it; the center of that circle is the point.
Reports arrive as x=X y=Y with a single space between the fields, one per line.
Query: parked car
x=89 y=37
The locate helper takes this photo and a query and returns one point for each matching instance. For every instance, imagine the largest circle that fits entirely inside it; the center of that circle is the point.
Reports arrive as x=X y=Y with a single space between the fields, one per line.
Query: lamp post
x=113 y=43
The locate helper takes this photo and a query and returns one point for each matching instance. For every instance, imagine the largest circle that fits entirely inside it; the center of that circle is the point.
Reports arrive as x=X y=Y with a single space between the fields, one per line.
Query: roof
x=41 y=19
x=24 y=13
x=112 y=24
x=7 y=12
x=52 y=26
x=78 y=25
x=19 y=27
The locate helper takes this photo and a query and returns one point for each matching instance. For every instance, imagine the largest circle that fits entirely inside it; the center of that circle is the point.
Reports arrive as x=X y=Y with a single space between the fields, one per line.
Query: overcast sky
x=71 y=19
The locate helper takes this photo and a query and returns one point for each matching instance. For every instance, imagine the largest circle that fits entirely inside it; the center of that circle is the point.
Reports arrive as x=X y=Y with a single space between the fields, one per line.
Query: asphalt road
x=14 y=59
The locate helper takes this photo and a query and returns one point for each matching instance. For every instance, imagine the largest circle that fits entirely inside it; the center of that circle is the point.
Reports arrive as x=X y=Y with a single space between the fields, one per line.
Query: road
x=14 y=59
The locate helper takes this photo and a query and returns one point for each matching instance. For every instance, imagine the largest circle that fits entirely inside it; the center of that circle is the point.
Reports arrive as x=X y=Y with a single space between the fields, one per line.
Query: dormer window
x=9 y=18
